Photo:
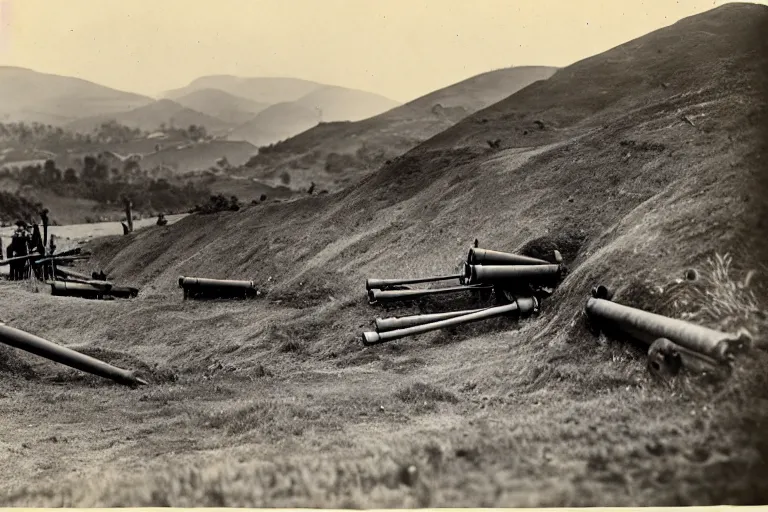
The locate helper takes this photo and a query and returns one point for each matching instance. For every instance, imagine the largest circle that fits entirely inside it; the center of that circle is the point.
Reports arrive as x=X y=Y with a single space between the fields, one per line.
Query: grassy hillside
x=335 y=155
x=27 y=95
x=275 y=402
x=222 y=105
x=150 y=117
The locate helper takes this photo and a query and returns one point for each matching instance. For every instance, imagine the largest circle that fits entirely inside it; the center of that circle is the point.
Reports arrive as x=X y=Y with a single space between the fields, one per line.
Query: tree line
x=97 y=181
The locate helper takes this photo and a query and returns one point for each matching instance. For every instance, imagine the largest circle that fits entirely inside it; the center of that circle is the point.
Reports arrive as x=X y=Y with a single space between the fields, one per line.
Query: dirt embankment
x=276 y=403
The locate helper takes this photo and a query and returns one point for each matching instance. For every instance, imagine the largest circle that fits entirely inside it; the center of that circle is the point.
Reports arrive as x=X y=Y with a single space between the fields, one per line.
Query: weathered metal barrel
x=380 y=284
x=649 y=327
x=82 y=290
x=72 y=274
x=375 y=296
x=70 y=252
x=19 y=258
x=61 y=259
x=198 y=287
x=521 y=306
x=480 y=274
x=30 y=343
x=478 y=256
x=102 y=285
x=392 y=323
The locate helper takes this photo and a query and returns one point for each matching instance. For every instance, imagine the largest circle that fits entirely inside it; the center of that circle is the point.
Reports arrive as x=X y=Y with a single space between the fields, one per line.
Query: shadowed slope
x=497 y=414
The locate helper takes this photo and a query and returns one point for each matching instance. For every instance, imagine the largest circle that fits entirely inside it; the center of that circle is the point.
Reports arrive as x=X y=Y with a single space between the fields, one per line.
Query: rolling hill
x=263 y=90
x=342 y=104
x=647 y=160
x=27 y=95
x=335 y=155
x=149 y=117
x=294 y=105
x=284 y=120
x=274 y=123
x=222 y=105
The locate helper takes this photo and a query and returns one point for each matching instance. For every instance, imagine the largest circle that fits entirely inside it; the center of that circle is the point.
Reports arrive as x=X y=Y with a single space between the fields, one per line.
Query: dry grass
x=276 y=403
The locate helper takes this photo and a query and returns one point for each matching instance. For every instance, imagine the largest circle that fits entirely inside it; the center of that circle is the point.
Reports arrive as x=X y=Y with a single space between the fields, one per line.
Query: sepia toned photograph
x=369 y=254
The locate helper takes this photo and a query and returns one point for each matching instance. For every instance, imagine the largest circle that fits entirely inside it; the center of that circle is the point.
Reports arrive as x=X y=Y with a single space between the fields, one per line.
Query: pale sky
x=401 y=49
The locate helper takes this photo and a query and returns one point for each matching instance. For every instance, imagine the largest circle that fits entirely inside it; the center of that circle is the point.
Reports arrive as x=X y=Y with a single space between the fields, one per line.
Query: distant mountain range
x=258 y=110
x=30 y=96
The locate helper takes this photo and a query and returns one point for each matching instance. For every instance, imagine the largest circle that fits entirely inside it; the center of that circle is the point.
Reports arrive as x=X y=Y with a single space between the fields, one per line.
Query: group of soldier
x=25 y=241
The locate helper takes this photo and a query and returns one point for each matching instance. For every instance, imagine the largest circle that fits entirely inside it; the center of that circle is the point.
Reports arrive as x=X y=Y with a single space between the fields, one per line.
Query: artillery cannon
x=521 y=306
x=92 y=289
x=393 y=323
x=30 y=343
x=383 y=284
x=77 y=289
x=498 y=274
x=71 y=274
x=198 y=288
x=479 y=256
x=669 y=339
x=376 y=296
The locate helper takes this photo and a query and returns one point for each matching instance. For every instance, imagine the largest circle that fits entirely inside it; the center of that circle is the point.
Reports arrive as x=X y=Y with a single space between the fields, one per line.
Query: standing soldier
x=18 y=247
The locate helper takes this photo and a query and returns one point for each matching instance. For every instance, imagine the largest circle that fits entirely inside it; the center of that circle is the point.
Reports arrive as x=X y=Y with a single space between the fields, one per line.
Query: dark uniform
x=19 y=246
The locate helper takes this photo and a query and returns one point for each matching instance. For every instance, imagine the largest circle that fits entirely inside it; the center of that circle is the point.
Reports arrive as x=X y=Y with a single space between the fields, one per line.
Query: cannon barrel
x=195 y=287
x=72 y=274
x=70 y=252
x=392 y=323
x=649 y=327
x=82 y=290
x=30 y=343
x=479 y=274
x=522 y=305
x=479 y=256
x=371 y=284
x=375 y=296
x=101 y=285
x=59 y=259
x=20 y=258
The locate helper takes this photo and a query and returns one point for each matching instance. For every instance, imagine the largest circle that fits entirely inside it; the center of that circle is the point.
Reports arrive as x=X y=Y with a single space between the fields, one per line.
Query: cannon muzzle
x=390 y=324
x=483 y=274
x=649 y=327
x=375 y=296
x=478 y=256
x=30 y=343
x=199 y=288
x=382 y=284
x=522 y=306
